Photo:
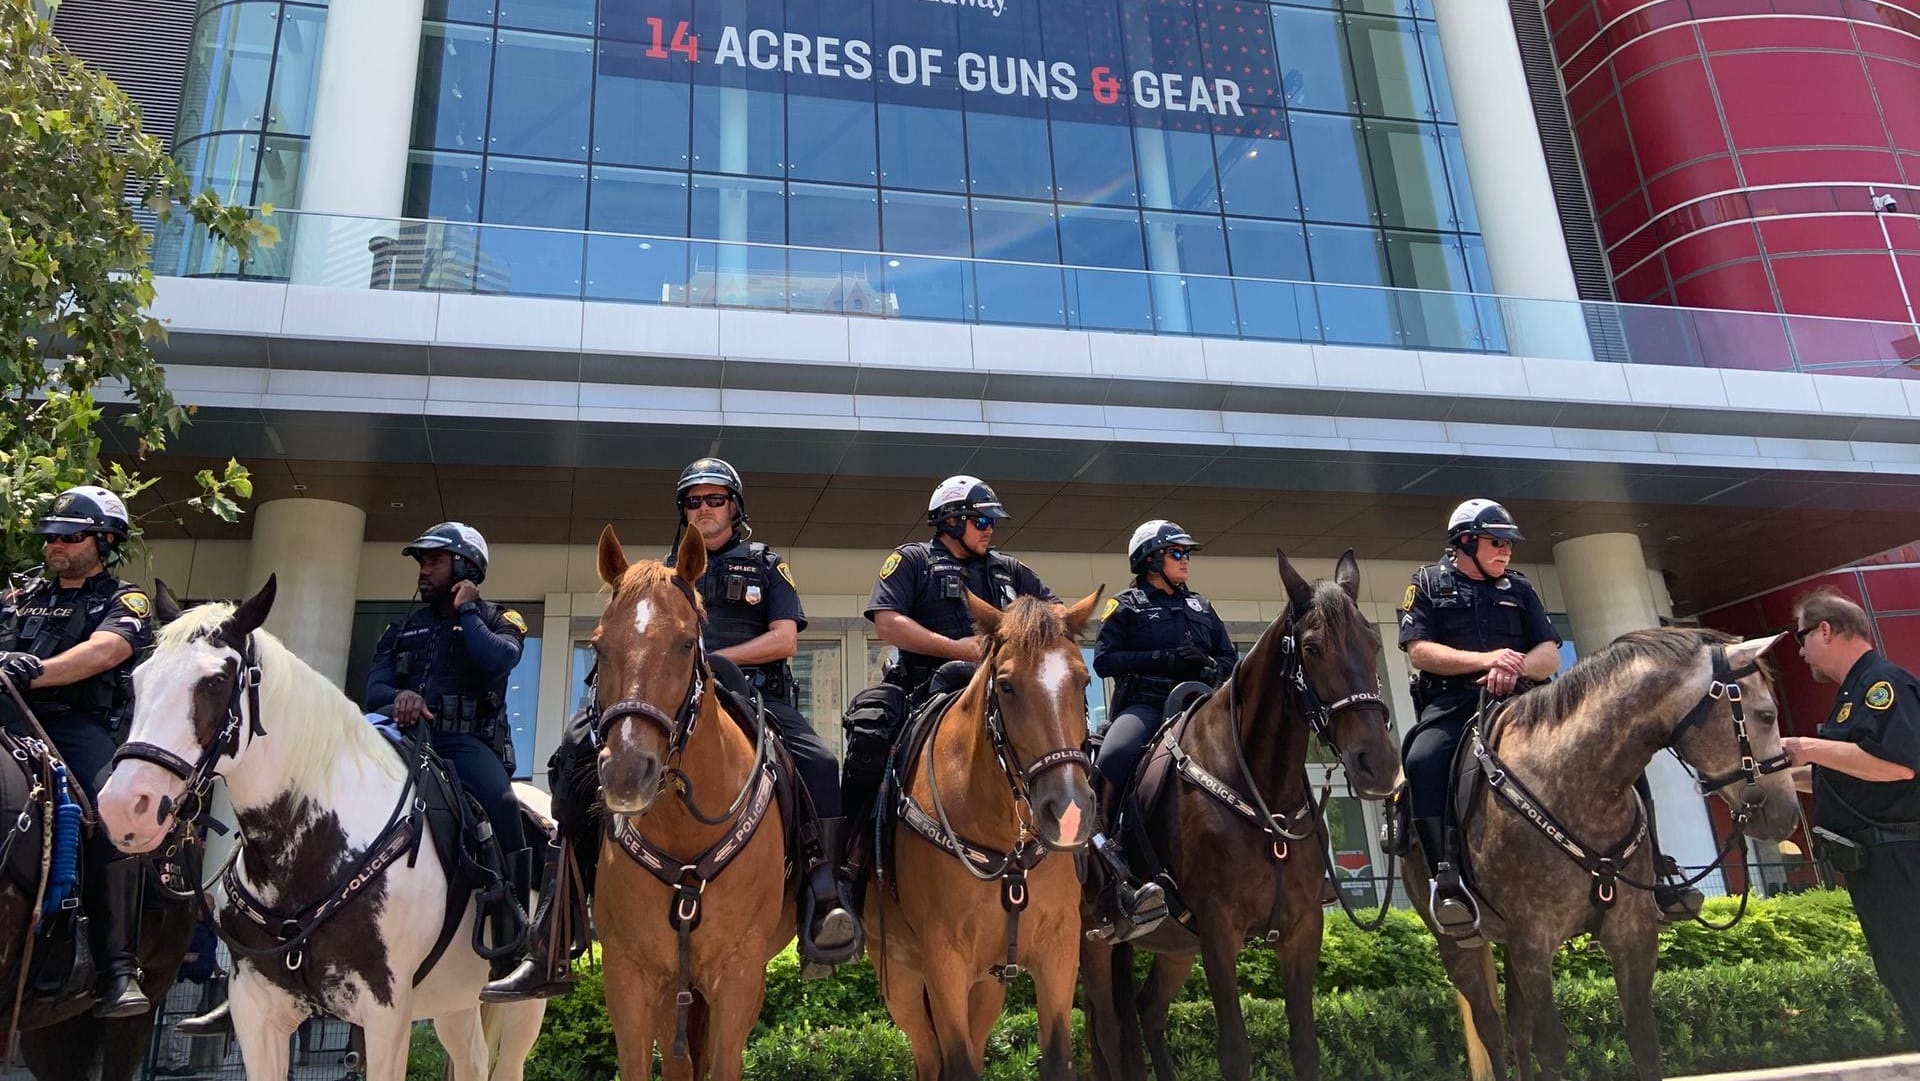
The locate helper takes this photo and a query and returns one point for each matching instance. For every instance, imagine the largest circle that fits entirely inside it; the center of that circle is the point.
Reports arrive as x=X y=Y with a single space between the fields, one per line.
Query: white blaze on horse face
x=642 y=615
x=1056 y=676
x=163 y=690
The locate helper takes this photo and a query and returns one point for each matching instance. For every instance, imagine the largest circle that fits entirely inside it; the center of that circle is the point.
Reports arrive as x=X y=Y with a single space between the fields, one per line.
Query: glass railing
x=501 y=260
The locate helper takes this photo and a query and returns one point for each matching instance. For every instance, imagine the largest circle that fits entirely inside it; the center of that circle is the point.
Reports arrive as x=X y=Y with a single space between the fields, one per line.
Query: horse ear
x=1347 y=574
x=691 y=561
x=251 y=614
x=985 y=616
x=1299 y=590
x=165 y=608
x=1741 y=654
x=612 y=557
x=1080 y=614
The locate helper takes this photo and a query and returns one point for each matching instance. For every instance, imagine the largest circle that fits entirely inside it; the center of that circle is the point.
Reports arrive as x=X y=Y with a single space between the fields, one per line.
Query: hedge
x=1789 y=984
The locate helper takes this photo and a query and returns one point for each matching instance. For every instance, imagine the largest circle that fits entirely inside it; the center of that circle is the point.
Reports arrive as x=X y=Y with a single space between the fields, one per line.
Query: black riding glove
x=1192 y=661
x=21 y=668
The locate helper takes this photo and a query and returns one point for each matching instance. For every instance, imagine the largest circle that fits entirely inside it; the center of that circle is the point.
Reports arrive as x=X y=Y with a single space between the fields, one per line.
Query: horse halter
x=1022 y=777
x=1726 y=684
x=678 y=727
x=199 y=775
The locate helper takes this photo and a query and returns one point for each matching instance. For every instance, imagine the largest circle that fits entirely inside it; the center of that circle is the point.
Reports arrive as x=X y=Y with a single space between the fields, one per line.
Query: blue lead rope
x=66 y=845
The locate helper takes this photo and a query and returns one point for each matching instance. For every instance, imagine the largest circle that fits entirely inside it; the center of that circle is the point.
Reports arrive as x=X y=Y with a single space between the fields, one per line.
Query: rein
x=984 y=864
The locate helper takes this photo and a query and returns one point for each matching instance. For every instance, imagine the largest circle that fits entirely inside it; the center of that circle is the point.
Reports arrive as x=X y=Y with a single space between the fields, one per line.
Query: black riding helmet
x=469 y=549
x=712 y=471
x=1155 y=537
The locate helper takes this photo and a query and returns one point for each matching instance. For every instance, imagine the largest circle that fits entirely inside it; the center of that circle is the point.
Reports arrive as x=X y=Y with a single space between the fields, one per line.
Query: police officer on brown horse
x=754 y=619
x=69 y=640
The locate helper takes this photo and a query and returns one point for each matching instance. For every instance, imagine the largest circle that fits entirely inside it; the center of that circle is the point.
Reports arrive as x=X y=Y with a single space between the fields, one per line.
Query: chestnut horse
x=685 y=964
x=1315 y=670
x=998 y=784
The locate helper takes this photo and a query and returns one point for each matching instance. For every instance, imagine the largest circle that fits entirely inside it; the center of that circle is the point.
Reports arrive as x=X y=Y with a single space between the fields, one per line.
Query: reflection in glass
x=1387 y=67
x=563 y=16
x=1008 y=155
x=1433 y=320
x=228 y=71
x=1313 y=60
x=639 y=121
x=1354 y=316
x=1335 y=185
x=1275 y=310
x=1093 y=163
x=1412 y=174
x=1105 y=299
x=456 y=71
x=629 y=268
x=1026 y=295
x=738 y=131
x=922 y=148
x=547 y=196
x=542 y=96
x=831 y=139
x=296 y=63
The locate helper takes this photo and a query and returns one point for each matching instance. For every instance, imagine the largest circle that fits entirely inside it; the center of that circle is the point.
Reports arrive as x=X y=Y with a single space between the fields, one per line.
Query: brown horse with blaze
x=692 y=897
x=982 y=887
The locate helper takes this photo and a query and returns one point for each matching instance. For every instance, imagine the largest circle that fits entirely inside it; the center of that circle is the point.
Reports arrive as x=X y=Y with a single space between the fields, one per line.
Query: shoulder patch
x=787 y=573
x=1107 y=610
x=136 y=602
x=1880 y=695
x=1846 y=710
x=518 y=621
x=892 y=564
x=1406 y=603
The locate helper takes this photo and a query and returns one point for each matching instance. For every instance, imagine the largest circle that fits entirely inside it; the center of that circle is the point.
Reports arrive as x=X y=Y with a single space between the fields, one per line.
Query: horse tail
x=1479 y=1064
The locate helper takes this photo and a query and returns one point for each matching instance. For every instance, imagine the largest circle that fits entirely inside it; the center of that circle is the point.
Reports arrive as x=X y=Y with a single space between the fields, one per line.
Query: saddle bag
x=63 y=966
x=871 y=723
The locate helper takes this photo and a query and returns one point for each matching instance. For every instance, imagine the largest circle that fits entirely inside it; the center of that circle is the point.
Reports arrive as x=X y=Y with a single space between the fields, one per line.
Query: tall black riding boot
x=118 y=993
x=547 y=969
x=1455 y=912
x=830 y=931
x=1126 y=911
x=508 y=922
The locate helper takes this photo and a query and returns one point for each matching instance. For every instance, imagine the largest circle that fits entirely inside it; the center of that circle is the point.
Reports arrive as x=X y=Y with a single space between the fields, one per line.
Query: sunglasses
x=64 y=538
x=981 y=522
x=711 y=499
x=1501 y=542
x=1800 y=634
x=1179 y=555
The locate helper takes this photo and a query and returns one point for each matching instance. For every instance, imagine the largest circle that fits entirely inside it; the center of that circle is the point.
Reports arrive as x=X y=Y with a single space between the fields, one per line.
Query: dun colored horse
x=1556 y=841
x=685 y=964
x=323 y=908
x=975 y=897
x=1235 y=829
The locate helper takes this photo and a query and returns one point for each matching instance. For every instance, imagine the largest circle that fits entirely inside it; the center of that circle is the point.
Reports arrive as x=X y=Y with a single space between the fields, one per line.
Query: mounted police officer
x=69 y=639
x=919 y=606
x=446 y=667
x=1153 y=636
x=754 y=620
x=1468 y=625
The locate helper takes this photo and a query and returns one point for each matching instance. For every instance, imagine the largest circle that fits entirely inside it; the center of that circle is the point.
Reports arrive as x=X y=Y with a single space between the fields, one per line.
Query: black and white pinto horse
x=317 y=792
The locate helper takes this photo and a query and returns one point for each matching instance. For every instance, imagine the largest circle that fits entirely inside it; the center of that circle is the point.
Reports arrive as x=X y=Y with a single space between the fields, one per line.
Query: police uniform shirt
x=1141 y=621
x=1878 y=709
x=744 y=591
x=467 y=654
x=1447 y=607
x=914 y=581
x=38 y=622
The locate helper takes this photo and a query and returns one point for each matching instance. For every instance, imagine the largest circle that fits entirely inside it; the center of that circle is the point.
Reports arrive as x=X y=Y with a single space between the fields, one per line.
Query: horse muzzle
x=630 y=782
x=1063 y=810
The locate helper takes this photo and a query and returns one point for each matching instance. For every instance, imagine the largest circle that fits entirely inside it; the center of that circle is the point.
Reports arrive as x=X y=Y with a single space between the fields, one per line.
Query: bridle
x=243 y=712
x=1320 y=714
x=678 y=726
x=1725 y=684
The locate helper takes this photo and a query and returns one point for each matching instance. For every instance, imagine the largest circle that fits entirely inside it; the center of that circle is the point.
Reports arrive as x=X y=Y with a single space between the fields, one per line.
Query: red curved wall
x=1731 y=146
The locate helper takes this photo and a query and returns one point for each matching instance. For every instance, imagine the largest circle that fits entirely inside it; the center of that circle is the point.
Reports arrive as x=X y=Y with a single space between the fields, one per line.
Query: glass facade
x=1308 y=141
x=246 y=110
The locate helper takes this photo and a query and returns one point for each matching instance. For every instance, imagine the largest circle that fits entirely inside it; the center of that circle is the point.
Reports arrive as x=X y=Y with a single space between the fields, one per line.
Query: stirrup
x=1456 y=914
x=1677 y=903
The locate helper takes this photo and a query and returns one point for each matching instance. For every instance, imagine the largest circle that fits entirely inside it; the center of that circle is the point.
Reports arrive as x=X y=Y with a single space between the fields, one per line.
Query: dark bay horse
x=685 y=964
x=322 y=906
x=978 y=891
x=1238 y=834
x=61 y=1040
x=1564 y=757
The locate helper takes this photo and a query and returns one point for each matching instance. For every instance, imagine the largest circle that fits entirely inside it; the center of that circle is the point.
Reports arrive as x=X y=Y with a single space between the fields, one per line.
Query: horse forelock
x=1029 y=628
x=1633 y=655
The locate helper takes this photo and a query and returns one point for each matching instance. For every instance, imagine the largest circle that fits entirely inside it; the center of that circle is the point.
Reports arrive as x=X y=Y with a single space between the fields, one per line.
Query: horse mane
x=305 y=713
x=1030 y=625
x=1544 y=707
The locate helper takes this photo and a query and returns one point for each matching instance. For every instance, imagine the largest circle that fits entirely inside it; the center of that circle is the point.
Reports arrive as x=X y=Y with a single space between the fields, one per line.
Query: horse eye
x=1312 y=648
x=687 y=646
x=1006 y=686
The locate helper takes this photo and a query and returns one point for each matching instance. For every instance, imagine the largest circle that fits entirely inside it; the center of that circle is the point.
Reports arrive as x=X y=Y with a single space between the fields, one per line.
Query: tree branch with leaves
x=76 y=284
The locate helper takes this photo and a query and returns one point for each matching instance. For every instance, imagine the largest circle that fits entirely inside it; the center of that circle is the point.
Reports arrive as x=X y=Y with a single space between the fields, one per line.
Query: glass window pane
x=456 y=68
x=1028 y=295
x=1356 y=256
x=735 y=208
x=941 y=285
x=1265 y=249
x=1466 y=217
x=1433 y=320
x=443 y=186
x=562 y=16
x=846 y=223
x=1387 y=67
x=635 y=268
x=1313 y=60
x=1190 y=245
x=1093 y=163
x=226 y=85
x=922 y=148
x=1410 y=176
x=739 y=275
x=1256 y=168
x=1276 y=310
x=639 y=121
x=1176 y=169
x=1105 y=299
x=832 y=139
x=222 y=164
x=1008 y=155
x=738 y=131
x=1351 y=835
x=550 y=195
x=926 y=224
x=1436 y=71
x=461 y=11
x=1334 y=186
x=290 y=109
x=278 y=182
x=821 y=216
x=542 y=96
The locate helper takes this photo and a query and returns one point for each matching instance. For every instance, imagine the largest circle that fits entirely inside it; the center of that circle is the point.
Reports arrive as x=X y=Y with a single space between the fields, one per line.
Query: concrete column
x=1608 y=590
x=1519 y=221
x=313 y=546
x=356 y=166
